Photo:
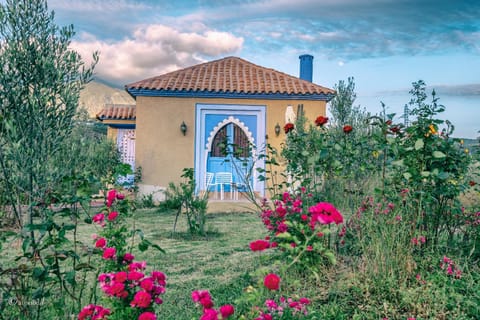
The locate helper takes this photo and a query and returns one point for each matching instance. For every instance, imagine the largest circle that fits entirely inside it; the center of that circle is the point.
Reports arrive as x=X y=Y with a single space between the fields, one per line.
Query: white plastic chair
x=208 y=181
x=222 y=179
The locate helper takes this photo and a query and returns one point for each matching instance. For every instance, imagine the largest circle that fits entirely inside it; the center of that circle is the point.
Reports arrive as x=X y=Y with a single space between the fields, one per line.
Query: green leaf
x=407 y=175
x=425 y=173
x=443 y=175
x=398 y=163
x=419 y=144
x=284 y=235
x=438 y=154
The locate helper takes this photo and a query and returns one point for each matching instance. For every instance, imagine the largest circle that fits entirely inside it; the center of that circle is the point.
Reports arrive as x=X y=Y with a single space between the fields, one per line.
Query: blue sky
x=384 y=44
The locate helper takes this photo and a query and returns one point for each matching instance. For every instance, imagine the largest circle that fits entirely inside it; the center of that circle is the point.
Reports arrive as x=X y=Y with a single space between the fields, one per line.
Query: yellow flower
x=461 y=142
x=375 y=154
x=467 y=151
x=432 y=128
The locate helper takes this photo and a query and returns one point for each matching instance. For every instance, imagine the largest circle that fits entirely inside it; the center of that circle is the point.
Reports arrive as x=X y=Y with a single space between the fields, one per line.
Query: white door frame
x=233 y=110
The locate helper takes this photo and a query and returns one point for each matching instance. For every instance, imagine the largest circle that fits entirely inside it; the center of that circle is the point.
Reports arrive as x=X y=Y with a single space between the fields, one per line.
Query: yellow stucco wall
x=161 y=149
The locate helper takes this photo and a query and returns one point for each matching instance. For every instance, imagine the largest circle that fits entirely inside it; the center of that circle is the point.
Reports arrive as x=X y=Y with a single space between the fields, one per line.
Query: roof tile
x=117 y=112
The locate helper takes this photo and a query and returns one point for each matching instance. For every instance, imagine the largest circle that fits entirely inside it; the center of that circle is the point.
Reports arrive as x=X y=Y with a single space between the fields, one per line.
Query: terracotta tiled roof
x=117 y=112
x=229 y=75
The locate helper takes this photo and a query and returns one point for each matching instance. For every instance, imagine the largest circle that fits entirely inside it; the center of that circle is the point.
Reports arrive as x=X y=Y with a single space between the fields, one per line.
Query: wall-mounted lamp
x=277 y=129
x=183 y=128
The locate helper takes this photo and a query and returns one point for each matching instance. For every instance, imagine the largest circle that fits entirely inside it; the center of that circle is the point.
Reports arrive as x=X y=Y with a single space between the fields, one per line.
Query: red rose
x=321 y=120
x=98 y=218
x=112 y=216
x=395 y=129
x=147 y=316
x=120 y=276
x=109 y=253
x=141 y=299
x=128 y=257
x=472 y=183
x=226 y=311
x=272 y=281
x=101 y=243
x=111 y=195
x=289 y=127
x=259 y=245
x=347 y=128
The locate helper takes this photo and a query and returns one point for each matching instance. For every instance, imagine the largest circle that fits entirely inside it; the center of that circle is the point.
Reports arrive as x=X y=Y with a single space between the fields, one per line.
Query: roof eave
x=229 y=95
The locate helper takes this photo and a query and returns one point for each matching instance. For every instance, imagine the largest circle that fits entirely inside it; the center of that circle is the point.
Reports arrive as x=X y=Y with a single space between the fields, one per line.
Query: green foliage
x=184 y=199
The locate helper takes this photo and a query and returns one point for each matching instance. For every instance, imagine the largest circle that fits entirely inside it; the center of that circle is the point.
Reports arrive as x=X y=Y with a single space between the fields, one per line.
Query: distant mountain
x=95 y=95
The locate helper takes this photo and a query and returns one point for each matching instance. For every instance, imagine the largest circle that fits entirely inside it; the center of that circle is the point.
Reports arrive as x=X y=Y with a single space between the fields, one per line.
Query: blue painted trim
x=121 y=126
x=228 y=95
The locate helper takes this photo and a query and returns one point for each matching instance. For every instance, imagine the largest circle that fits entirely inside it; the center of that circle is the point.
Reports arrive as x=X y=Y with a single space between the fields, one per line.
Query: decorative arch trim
x=222 y=124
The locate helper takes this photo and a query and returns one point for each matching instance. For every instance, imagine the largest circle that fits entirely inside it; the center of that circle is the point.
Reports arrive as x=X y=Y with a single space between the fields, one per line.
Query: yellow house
x=184 y=117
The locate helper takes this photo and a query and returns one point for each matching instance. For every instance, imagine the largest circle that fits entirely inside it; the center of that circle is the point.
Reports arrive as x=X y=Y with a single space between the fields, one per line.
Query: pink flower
x=98 y=218
x=147 y=316
x=112 y=216
x=120 y=276
x=141 y=299
x=202 y=297
x=147 y=284
x=272 y=281
x=93 y=312
x=101 y=243
x=135 y=276
x=109 y=253
x=226 y=311
x=128 y=257
x=159 y=277
x=324 y=213
x=259 y=245
x=304 y=301
x=309 y=248
x=120 y=196
x=304 y=217
x=209 y=314
x=111 y=195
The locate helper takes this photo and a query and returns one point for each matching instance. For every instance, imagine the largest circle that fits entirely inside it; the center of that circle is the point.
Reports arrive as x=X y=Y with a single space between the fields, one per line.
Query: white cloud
x=154 y=50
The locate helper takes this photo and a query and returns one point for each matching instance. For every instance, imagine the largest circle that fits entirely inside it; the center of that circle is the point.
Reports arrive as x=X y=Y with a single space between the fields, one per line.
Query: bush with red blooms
x=299 y=231
x=130 y=290
x=203 y=299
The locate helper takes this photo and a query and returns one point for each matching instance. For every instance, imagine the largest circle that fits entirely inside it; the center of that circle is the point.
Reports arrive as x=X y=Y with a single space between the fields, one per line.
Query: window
x=230 y=136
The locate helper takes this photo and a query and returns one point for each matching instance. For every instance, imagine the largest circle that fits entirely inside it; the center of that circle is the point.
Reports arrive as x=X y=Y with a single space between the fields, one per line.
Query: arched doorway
x=231 y=152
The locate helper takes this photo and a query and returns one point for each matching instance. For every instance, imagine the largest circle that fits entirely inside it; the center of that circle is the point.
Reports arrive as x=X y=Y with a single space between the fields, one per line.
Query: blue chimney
x=306 y=67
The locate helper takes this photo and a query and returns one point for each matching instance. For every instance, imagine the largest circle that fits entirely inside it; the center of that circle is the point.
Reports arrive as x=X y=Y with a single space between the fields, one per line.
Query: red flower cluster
x=347 y=128
x=204 y=299
x=289 y=127
x=93 y=312
x=272 y=281
x=448 y=265
x=321 y=120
